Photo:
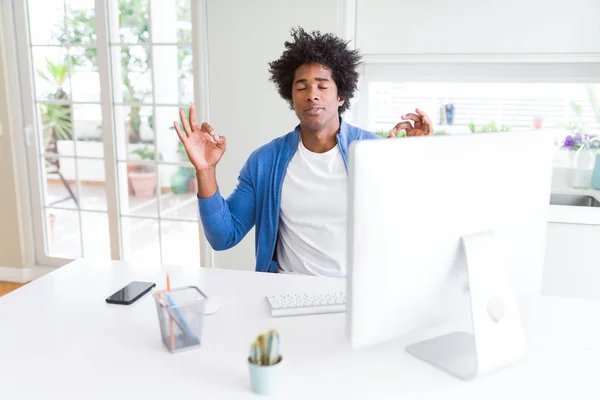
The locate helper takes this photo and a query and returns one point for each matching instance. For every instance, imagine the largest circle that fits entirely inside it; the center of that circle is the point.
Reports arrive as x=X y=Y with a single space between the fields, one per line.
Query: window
x=145 y=79
x=570 y=110
x=456 y=107
x=461 y=98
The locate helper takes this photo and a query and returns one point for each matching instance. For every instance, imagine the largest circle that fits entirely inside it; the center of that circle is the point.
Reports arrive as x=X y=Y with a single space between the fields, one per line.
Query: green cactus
x=265 y=349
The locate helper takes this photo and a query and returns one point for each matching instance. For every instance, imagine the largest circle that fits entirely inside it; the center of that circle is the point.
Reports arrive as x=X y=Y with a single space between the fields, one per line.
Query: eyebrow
x=316 y=79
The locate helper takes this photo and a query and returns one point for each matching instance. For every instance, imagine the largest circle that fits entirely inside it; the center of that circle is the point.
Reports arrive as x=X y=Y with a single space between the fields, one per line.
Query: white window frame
x=20 y=140
x=448 y=69
x=18 y=54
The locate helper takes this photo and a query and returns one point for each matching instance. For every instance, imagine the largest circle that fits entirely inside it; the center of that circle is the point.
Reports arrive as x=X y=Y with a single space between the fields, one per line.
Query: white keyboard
x=306 y=304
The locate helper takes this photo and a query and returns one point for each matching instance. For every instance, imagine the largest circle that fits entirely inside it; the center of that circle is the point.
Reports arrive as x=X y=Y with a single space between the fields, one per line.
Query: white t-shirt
x=313 y=220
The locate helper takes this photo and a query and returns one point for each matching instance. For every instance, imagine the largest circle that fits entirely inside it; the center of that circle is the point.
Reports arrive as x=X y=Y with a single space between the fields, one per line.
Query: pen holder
x=181 y=317
x=265 y=378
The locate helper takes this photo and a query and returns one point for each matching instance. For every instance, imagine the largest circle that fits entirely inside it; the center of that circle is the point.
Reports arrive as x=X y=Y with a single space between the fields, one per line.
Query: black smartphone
x=130 y=293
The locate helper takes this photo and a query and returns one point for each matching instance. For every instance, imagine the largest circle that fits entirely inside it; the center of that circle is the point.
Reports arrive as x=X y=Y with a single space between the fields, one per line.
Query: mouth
x=314 y=110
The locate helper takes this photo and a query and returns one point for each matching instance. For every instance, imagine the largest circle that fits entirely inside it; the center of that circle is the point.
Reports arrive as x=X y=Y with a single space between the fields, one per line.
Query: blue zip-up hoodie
x=257 y=196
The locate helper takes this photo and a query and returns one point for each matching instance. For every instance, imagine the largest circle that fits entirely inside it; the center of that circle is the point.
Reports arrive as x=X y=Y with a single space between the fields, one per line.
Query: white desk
x=59 y=339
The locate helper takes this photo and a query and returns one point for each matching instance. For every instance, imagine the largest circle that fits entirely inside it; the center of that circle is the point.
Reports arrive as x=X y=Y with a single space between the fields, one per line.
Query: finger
x=412 y=117
x=421 y=113
x=193 y=122
x=416 y=118
x=427 y=124
x=181 y=135
x=221 y=142
x=401 y=125
x=414 y=132
x=398 y=132
x=207 y=128
x=185 y=123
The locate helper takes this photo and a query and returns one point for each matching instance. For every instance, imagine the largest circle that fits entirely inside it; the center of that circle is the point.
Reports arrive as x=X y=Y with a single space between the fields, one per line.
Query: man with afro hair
x=292 y=189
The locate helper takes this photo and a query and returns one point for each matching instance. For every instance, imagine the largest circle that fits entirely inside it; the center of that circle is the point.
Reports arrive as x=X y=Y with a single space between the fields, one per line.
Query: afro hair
x=317 y=48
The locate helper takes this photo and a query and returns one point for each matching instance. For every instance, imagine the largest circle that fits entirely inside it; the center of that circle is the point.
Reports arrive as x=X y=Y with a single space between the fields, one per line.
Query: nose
x=312 y=94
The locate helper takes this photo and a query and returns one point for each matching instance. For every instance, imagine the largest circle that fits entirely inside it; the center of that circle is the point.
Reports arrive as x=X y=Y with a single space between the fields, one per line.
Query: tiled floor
x=74 y=233
x=93 y=197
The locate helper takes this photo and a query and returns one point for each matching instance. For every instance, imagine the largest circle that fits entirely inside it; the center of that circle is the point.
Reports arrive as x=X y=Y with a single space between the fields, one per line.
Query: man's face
x=315 y=96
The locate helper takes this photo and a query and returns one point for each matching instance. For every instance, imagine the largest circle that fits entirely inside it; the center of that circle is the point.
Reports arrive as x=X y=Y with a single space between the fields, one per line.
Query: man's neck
x=321 y=140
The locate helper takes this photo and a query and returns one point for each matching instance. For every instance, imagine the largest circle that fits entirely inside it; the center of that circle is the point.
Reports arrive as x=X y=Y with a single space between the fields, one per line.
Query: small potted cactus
x=265 y=362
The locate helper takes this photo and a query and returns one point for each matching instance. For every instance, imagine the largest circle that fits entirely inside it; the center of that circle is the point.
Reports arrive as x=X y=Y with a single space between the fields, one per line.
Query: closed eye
x=320 y=87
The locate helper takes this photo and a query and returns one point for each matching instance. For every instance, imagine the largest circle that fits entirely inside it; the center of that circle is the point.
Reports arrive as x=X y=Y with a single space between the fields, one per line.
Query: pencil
x=171 y=333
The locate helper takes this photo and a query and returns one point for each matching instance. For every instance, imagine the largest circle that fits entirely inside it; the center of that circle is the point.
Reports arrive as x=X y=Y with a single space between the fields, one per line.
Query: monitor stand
x=498 y=339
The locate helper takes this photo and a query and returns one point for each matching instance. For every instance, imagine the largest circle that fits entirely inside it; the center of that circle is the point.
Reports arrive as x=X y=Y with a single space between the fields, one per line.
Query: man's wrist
x=207 y=182
x=200 y=173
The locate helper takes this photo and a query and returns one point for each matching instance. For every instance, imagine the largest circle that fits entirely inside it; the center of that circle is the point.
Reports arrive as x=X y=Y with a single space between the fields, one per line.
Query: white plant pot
x=265 y=379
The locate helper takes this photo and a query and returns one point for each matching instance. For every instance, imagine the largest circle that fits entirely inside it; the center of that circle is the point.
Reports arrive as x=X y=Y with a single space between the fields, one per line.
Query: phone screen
x=130 y=293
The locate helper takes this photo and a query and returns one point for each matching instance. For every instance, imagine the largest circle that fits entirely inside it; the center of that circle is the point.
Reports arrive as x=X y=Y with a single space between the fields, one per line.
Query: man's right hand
x=203 y=146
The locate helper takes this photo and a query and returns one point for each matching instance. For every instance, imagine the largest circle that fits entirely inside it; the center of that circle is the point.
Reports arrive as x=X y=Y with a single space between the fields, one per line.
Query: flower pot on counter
x=143 y=183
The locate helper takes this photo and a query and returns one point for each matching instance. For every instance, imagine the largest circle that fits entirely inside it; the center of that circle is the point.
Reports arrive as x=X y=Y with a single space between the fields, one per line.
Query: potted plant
x=491 y=127
x=386 y=134
x=143 y=176
x=573 y=142
x=265 y=363
x=183 y=180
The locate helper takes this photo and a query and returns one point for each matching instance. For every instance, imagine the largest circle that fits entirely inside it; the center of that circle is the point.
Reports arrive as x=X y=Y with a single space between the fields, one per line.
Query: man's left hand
x=418 y=124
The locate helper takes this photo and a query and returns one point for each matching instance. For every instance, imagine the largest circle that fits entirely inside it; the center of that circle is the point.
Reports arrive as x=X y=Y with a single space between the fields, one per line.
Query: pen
x=172 y=336
x=186 y=328
x=167 y=302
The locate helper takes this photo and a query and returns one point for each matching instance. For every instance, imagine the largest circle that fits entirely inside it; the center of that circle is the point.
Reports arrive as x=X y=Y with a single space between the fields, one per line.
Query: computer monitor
x=430 y=217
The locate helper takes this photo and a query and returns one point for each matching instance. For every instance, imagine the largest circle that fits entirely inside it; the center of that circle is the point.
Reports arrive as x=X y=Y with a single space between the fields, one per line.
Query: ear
x=340 y=101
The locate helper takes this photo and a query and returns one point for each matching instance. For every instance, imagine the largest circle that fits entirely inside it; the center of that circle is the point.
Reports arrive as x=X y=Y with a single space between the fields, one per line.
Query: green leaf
x=594 y=100
x=57 y=118
x=472 y=127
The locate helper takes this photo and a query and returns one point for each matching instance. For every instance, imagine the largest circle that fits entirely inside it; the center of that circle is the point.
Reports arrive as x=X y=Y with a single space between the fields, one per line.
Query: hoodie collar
x=344 y=136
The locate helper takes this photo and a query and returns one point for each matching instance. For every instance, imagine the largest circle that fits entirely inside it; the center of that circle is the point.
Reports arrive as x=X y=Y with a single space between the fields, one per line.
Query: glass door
x=105 y=81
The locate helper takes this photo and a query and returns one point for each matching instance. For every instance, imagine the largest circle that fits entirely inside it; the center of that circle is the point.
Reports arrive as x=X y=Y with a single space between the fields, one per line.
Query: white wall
x=478 y=26
x=245 y=35
x=484 y=72
x=11 y=254
x=244 y=106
